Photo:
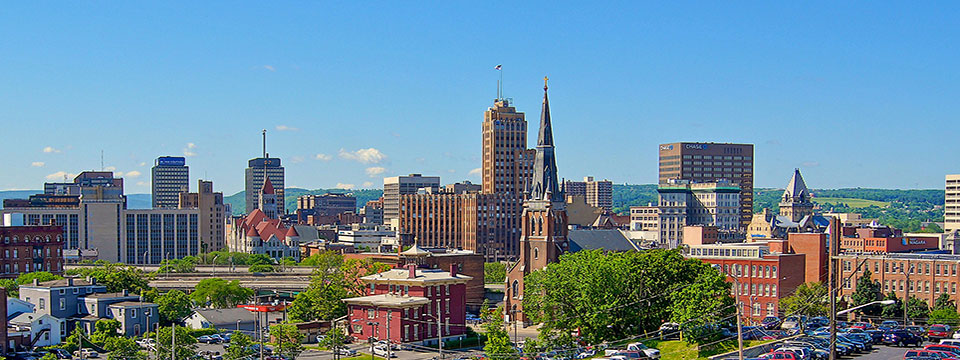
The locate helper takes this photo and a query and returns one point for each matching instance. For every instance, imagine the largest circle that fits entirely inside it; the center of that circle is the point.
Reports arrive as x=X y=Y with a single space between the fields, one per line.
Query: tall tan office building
x=212 y=215
x=507 y=170
x=951 y=204
x=708 y=162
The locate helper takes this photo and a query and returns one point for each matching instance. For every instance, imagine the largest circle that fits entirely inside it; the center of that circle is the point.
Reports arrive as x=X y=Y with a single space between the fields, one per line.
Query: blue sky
x=354 y=91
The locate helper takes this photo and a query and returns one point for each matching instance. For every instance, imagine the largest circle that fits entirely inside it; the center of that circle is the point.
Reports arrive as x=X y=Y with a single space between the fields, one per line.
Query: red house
x=404 y=306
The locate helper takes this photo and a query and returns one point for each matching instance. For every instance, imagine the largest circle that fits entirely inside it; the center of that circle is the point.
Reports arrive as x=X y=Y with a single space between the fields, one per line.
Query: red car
x=929 y=353
x=951 y=349
x=938 y=331
x=780 y=355
x=862 y=326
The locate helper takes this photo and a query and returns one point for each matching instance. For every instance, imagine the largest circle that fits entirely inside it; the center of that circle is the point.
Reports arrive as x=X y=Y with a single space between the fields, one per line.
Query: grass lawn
x=680 y=350
x=854 y=203
x=362 y=357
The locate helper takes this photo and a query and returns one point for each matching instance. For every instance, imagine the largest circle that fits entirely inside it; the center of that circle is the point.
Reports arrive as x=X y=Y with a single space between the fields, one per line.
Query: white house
x=223 y=319
x=45 y=330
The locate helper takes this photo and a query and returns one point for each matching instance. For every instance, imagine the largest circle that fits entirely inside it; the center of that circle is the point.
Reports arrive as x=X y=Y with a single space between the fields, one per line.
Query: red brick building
x=759 y=277
x=885 y=245
x=468 y=263
x=924 y=276
x=30 y=248
x=405 y=306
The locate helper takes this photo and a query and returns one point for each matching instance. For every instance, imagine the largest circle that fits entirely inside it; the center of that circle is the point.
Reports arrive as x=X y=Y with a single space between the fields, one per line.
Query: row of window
x=756 y=290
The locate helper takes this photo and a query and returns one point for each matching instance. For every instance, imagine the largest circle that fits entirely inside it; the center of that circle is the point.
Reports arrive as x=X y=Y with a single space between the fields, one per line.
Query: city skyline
x=129 y=85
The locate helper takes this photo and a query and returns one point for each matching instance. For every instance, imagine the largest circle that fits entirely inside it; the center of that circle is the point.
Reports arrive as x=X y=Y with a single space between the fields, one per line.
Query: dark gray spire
x=545 y=184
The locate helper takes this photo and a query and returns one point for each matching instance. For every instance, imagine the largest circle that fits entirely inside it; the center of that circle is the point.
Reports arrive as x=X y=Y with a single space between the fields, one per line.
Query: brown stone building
x=31 y=248
x=705 y=162
x=440 y=219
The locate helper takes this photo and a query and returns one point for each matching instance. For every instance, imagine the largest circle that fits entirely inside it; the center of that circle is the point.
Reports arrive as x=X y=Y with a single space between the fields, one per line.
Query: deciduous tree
x=219 y=293
x=867 y=291
x=498 y=344
x=174 y=306
x=809 y=299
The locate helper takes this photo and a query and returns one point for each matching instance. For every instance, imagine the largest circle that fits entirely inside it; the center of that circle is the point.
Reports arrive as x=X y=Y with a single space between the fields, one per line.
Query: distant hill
x=238 y=200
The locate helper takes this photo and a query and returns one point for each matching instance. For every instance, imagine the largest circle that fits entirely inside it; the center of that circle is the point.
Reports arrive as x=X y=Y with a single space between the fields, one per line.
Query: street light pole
x=906 y=296
x=736 y=282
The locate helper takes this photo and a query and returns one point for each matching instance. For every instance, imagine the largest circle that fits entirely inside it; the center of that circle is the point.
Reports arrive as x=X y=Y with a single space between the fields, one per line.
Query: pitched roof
x=415 y=251
x=292 y=232
x=226 y=316
x=268 y=187
x=796 y=189
x=132 y=304
x=603 y=239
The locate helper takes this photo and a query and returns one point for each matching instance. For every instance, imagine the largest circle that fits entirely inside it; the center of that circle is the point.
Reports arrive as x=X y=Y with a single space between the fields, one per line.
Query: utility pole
x=173 y=341
x=835 y=234
x=389 y=340
x=439 y=331
x=906 y=296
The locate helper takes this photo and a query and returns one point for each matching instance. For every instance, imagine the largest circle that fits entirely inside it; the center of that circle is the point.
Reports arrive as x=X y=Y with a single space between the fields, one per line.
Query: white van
x=954 y=342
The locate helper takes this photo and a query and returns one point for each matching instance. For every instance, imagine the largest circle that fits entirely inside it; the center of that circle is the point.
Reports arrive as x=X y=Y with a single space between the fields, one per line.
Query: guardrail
x=753 y=351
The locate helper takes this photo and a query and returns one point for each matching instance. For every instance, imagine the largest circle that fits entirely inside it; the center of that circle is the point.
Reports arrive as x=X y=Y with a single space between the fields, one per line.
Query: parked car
x=780 y=355
x=939 y=331
x=651 y=353
x=953 y=349
x=955 y=342
x=901 y=337
x=208 y=339
x=889 y=324
x=225 y=337
x=87 y=353
x=916 y=329
x=669 y=330
x=147 y=343
x=792 y=322
x=344 y=351
x=911 y=354
x=383 y=352
x=770 y=323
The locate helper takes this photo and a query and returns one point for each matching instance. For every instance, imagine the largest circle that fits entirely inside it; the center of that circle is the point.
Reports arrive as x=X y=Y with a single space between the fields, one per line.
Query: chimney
x=124 y=292
x=69 y=281
x=453 y=270
x=36 y=282
x=413 y=271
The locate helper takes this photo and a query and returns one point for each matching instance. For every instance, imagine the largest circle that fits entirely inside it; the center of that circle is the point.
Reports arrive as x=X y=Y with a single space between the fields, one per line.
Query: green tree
x=288 y=338
x=612 y=296
x=498 y=344
x=122 y=348
x=944 y=316
x=174 y=306
x=353 y=269
x=867 y=291
x=809 y=299
x=219 y=293
x=259 y=259
x=49 y=356
x=319 y=302
x=894 y=310
x=324 y=260
x=104 y=329
x=261 y=268
x=186 y=346
x=944 y=301
x=334 y=340
x=917 y=308
x=494 y=273
x=703 y=302
x=116 y=277
x=239 y=347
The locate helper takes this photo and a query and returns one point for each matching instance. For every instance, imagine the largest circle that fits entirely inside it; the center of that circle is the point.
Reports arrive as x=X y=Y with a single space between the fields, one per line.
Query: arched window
x=536 y=253
x=515 y=289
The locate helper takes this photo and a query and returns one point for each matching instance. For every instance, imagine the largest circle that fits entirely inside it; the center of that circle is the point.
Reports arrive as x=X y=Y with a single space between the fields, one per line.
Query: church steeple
x=545 y=185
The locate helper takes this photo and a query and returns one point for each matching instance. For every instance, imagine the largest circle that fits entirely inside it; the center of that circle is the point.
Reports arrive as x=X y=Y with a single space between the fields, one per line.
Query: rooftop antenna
x=101 y=159
x=499 y=69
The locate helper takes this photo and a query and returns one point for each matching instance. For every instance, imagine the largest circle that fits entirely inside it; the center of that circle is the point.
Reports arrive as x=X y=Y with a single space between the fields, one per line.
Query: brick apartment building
x=924 y=276
x=763 y=272
x=31 y=248
x=468 y=263
x=405 y=306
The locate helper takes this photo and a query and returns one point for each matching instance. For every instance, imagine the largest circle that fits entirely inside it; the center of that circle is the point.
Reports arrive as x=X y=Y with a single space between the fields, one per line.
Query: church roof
x=545 y=185
x=292 y=232
x=796 y=189
x=268 y=187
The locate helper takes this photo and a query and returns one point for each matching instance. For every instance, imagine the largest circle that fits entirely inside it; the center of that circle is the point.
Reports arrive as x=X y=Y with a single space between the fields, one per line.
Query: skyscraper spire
x=545 y=185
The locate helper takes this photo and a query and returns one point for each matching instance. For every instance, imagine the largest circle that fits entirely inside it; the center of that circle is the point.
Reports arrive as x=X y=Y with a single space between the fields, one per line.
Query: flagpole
x=500 y=84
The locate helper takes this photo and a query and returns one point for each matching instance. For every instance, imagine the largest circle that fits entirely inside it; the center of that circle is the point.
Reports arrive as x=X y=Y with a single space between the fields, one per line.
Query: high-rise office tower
x=709 y=162
x=254 y=180
x=169 y=177
x=395 y=186
x=951 y=204
x=507 y=172
x=506 y=160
